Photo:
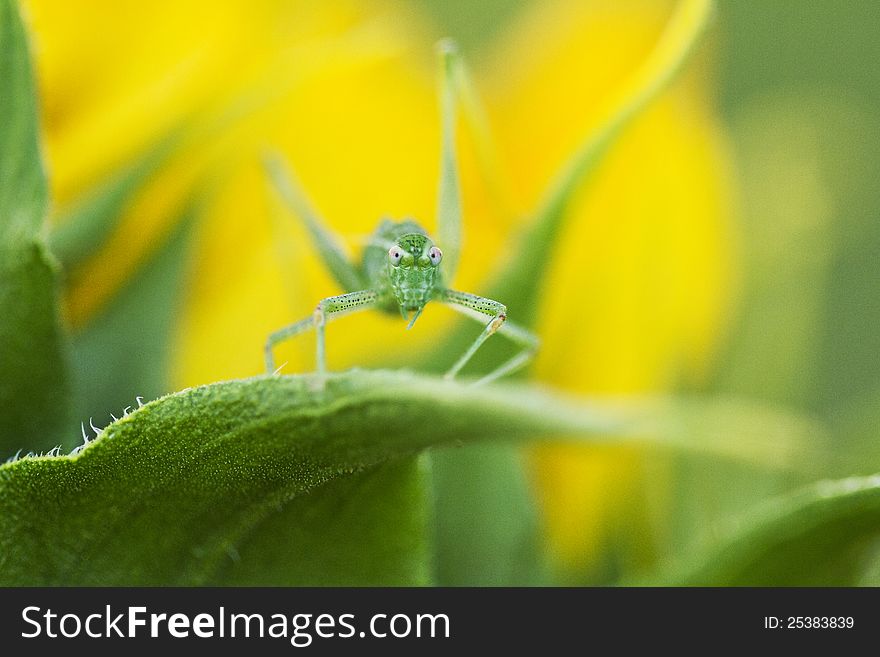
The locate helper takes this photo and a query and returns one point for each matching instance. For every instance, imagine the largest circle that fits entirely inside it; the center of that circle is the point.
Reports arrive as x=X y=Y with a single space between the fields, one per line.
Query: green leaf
x=332 y=254
x=363 y=529
x=84 y=229
x=494 y=541
x=33 y=379
x=821 y=536
x=180 y=488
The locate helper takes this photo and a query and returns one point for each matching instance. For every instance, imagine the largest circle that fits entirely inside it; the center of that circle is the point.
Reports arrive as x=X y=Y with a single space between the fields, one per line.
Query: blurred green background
x=814 y=59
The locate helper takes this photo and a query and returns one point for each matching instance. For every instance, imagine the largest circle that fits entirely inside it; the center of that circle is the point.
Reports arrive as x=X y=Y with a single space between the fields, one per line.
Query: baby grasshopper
x=401 y=267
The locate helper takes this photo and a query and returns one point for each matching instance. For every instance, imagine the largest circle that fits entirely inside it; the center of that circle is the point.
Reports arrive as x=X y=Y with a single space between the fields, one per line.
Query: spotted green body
x=402 y=269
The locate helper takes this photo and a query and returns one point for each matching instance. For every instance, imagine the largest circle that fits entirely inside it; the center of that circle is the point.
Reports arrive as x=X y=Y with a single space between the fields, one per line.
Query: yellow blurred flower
x=346 y=91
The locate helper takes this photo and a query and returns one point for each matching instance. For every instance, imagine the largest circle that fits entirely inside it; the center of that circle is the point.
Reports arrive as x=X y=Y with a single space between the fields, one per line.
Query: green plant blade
x=168 y=494
x=496 y=542
x=84 y=229
x=33 y=377
x=364 y=529
x=326 y=243
x=821 y=536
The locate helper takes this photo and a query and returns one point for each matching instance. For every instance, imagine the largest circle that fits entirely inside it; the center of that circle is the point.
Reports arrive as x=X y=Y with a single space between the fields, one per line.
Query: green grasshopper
x=401 y=266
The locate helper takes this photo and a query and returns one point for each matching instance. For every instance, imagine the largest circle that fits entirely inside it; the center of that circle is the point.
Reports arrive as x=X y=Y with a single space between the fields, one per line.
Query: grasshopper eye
x=436 y=255
x=395 y=253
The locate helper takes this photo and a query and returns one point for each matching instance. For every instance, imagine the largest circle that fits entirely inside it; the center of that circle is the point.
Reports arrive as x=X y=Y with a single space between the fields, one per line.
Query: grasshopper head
x=414 y=270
